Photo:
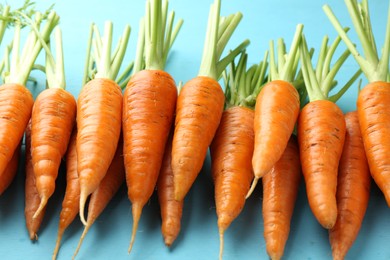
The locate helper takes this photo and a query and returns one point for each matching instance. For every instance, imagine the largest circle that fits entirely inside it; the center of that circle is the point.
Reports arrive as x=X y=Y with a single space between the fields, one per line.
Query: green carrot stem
x=88 y=59
x=340 y=93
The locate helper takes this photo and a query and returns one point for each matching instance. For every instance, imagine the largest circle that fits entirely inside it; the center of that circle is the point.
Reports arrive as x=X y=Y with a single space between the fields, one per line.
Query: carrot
x=280 y=189
x=321 y=131
x=32 y=199
x=10 y=171
x=171 y=209
x=372 y=104
x=16 y=100
x=99 y=112
x=52 y=120
x=353 y=189
x=100 y=198
x=201 y=101
x=70 y=203
x=277 y=109
x=148 y=108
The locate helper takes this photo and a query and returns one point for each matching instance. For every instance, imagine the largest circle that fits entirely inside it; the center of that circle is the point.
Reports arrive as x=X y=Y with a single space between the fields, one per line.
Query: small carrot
x=201 y=101
x=373 y=99
x=277 y=109
x=108 y=187
x=171 y=209
x=280 y=189
x=52 y=120
x=32 y=199
x=99 y=111
x=321 y=131
x=70 y=203
x=232 y=147
x=148 y=107
x=10 y=172
x=353 y=190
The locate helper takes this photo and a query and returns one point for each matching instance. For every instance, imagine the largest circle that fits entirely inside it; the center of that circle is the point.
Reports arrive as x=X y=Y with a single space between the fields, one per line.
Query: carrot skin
x=374 y=119
x=99 y=117
x=148 y=109
x=276 y=111
x=171 y=209
x=16 y=103
x=353 y=190
x=280 y=190
x=231 y=166
x=70 y=203
x=52 y=121
x=32 y=199
x=10 y=172
x=321 y=134
x=198 y=113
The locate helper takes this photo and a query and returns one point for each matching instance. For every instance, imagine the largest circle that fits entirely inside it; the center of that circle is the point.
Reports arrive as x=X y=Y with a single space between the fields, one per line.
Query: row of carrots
x=270 y=122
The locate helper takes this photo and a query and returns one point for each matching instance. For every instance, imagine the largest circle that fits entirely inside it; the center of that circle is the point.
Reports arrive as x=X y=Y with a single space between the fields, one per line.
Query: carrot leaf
x=219 y=31
x=374 y=68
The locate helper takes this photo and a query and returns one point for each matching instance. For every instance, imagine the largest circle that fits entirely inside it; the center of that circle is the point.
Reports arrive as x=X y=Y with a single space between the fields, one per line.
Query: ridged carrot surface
x=198 y=113
x=321 y=134
x=353 y=189
x=280 y=190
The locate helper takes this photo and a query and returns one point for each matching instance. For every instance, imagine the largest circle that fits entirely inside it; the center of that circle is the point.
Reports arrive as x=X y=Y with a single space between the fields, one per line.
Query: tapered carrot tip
x=136 y=210
x=83 y=199
x=254 y=183
x=41 y=207
x=168 y=240
x=86 y=228
x=58 y=243
x=33 y=236
x=221 y=242
x=338 y=255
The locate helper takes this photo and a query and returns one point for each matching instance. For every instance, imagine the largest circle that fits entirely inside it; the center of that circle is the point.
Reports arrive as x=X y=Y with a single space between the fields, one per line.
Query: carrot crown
x=100 y=61
x=320 y=82
x=242 y=84
x=374 y=68
x=18 y=70
x=219 y=31
x=156 y=36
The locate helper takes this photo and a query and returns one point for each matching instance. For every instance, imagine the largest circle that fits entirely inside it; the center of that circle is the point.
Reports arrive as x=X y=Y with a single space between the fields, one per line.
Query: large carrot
x=232 y=147
x=277 y=109
x=171 y=209
x=373 y=100
x=280 y=189
x=99 y=111
x=52 y=120
x=108 y=187
x=200 y=103
x=321 y=131
x=16 y=100
x=32 y=199
x=353 y=190
x=70 y=203
x=148 y=107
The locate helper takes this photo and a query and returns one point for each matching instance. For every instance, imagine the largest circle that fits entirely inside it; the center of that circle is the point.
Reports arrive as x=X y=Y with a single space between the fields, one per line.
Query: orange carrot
x=70 y=204
x=280 y=189
x=99 y=114
x=52 y=120
x=321 y=131
x=201 y=102
x=276 y=111
x=148 y=108
x=100 y=198
x=171 y=209
x=32 y=199
x=372 y=104
x=231 y=154
x=353 y=190
x=9 y=173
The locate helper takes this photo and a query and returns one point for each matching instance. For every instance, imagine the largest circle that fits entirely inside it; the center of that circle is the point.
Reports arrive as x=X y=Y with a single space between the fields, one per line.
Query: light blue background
x=109 y=237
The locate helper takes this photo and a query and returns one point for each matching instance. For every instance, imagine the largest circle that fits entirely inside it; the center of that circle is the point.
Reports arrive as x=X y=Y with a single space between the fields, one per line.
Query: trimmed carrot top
x=374 y=68
x=219 y=31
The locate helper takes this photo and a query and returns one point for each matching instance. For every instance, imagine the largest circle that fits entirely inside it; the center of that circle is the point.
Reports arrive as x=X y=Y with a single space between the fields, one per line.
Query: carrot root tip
x=41 y=207
x=86 y=228
x=221 y=242
x=253 y=186
x=136 y=210
x=83 y=199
